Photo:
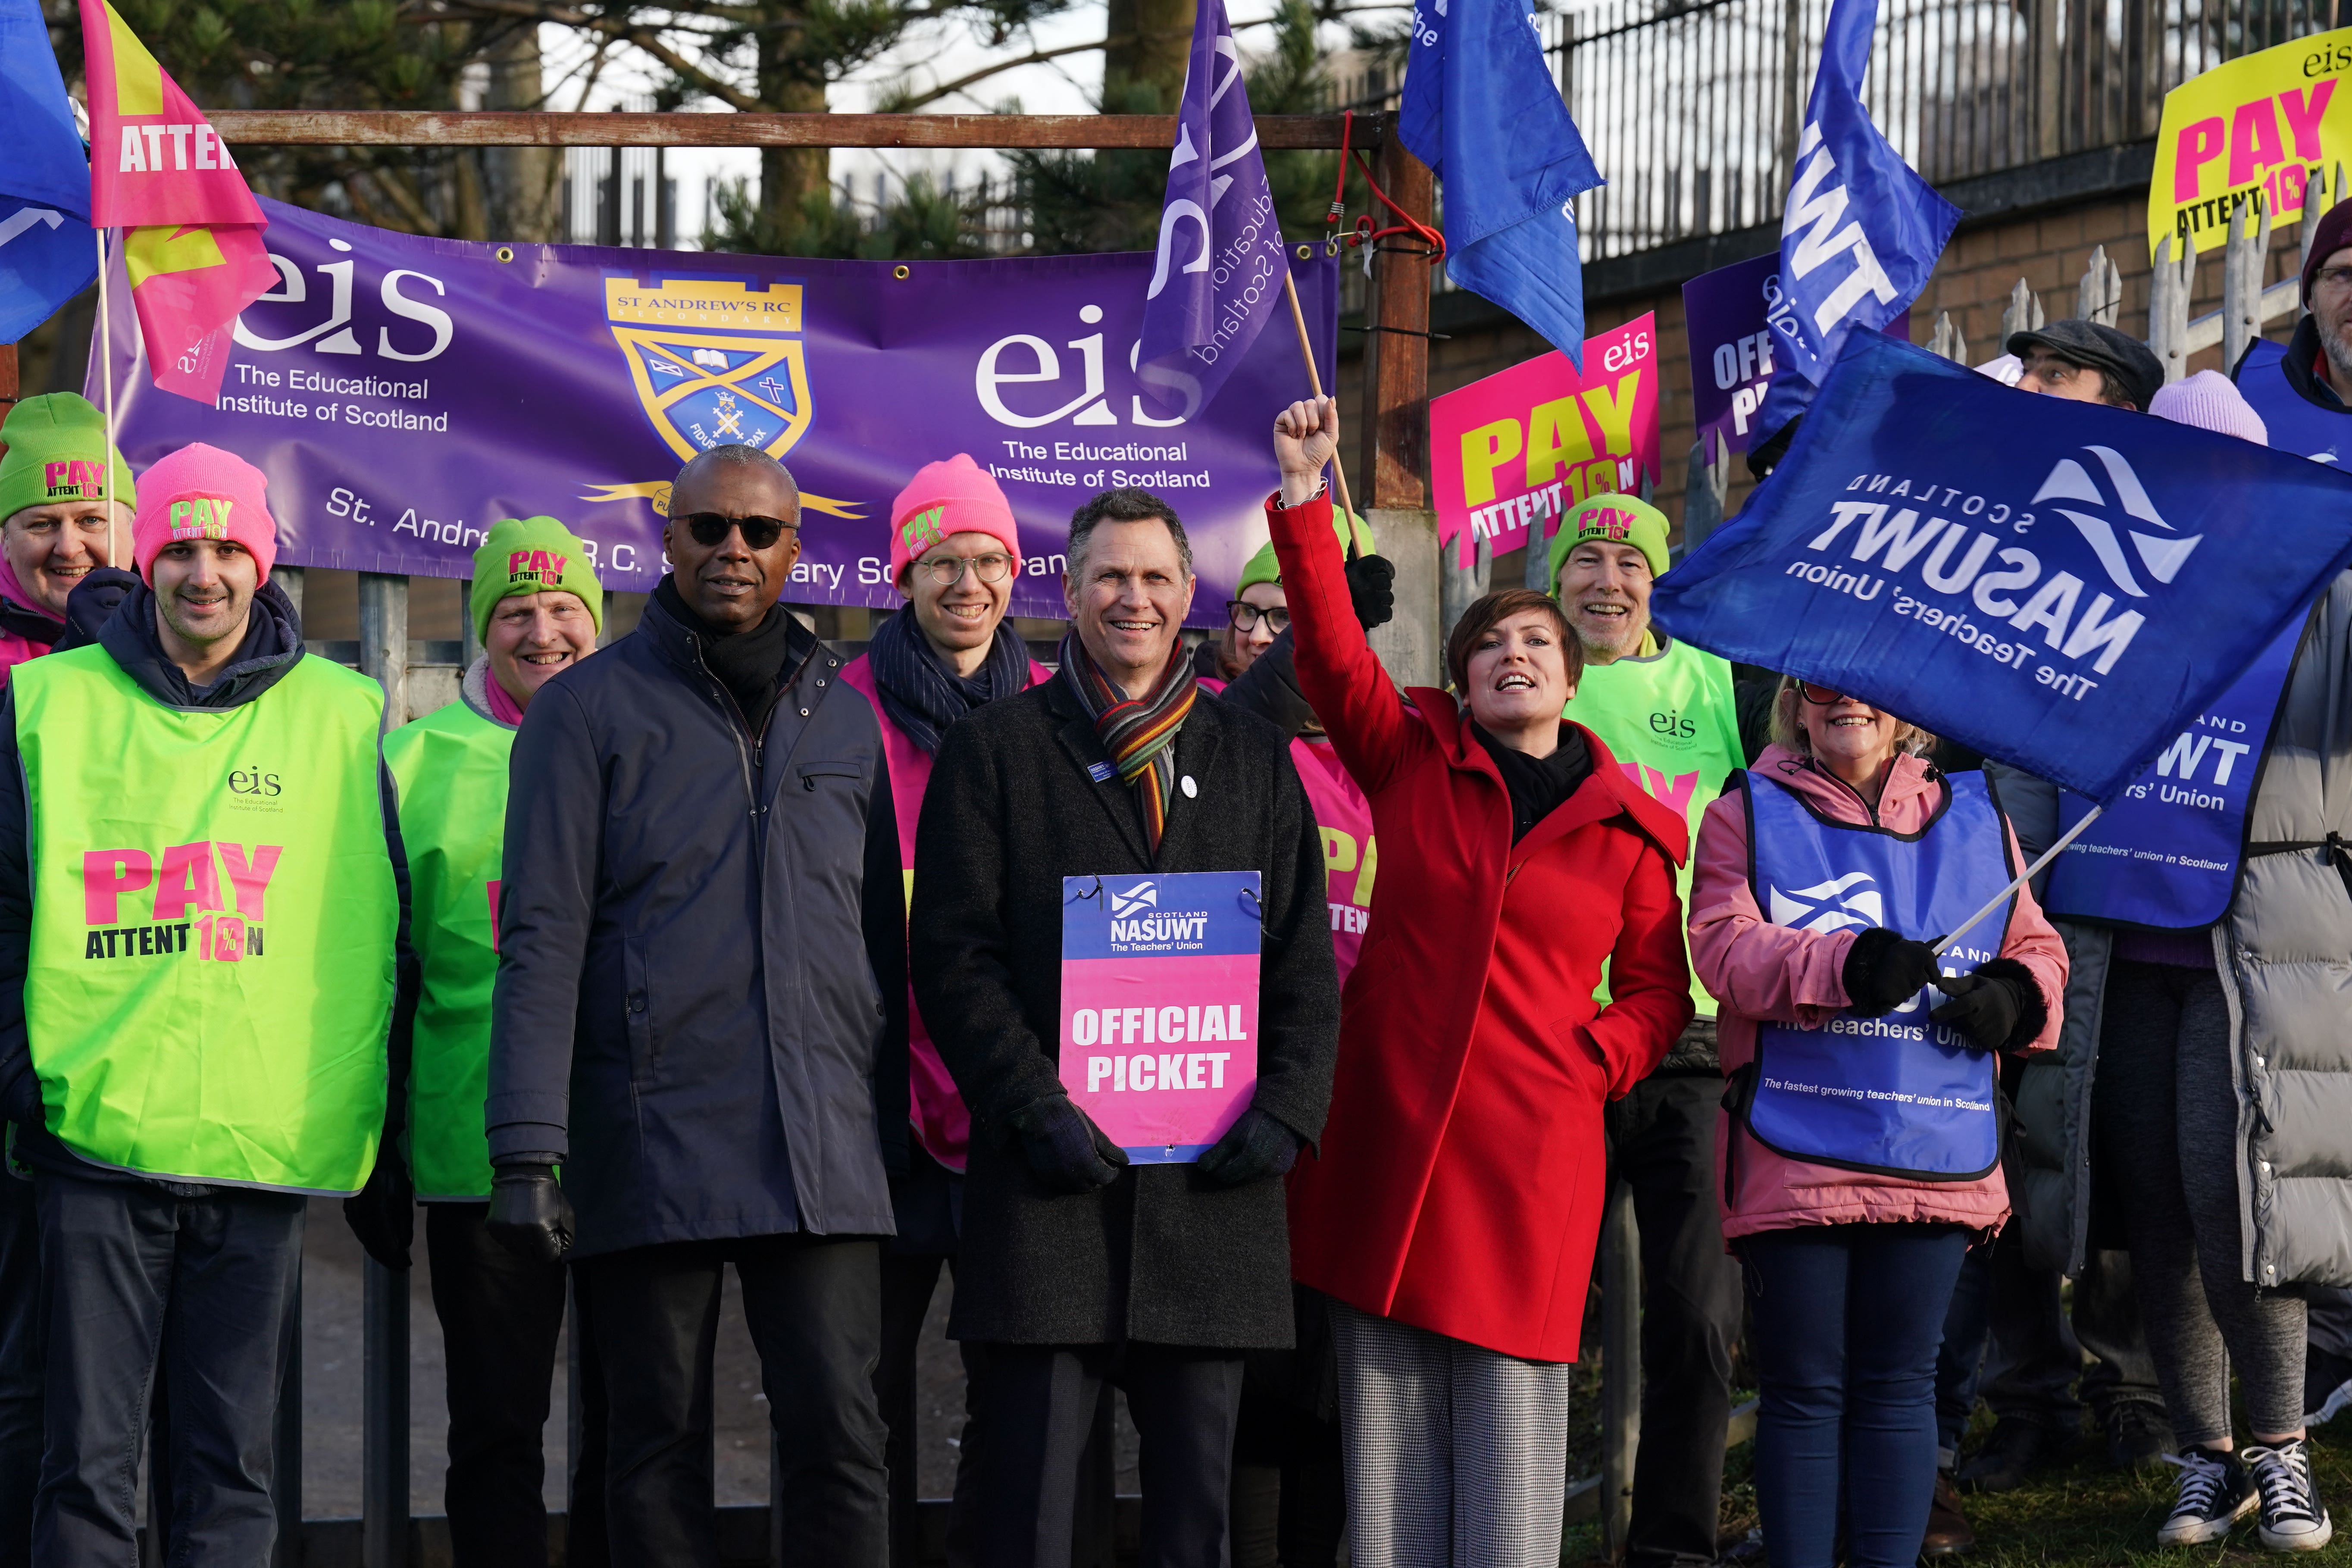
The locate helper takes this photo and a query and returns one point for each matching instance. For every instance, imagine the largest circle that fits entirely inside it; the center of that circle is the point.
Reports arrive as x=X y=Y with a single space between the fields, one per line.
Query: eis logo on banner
x=1957 y=574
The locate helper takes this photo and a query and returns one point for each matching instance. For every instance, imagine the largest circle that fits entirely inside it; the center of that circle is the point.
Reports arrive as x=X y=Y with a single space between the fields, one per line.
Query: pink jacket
x=1757 y=972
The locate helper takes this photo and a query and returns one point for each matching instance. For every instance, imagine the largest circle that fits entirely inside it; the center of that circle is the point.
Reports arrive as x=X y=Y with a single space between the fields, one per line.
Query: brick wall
x=2050 y=249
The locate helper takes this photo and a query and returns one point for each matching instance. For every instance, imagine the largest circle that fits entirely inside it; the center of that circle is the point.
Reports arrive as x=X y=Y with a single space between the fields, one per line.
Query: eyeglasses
x=2332 y=278
x=946 y=571
x=710 y=528
x=1244 y=616
x=1822 y=696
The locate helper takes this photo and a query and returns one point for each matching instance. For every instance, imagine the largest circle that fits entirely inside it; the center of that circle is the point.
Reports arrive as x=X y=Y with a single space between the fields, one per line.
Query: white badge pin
x=1190 y=789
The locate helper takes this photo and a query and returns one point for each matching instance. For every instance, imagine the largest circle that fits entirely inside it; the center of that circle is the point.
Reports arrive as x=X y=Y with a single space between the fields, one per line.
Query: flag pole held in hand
x=2023 y=877
x=1315 y=384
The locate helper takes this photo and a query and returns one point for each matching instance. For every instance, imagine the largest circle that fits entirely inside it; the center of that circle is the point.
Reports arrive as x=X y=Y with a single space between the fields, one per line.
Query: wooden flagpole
x=106 y=376
x=1315 y=384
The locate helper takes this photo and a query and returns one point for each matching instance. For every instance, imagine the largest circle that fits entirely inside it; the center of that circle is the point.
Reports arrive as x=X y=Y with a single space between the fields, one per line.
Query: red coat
x=1460 y=1180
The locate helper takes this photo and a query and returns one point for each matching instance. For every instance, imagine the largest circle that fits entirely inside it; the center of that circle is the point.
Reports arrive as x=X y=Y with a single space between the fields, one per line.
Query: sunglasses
x=710 y=528
x=1822 y=696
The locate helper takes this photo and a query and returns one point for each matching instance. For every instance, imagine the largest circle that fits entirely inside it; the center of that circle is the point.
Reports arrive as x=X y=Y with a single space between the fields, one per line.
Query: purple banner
x=1728 y=318
x=402 y=395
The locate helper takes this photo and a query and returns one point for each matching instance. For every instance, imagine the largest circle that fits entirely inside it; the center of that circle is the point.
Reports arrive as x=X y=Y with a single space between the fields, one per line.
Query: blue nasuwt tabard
x=1899 y=1095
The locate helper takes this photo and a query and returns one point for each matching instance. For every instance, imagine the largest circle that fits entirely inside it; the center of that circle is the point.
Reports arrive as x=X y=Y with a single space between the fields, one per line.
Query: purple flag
x=1218 y=276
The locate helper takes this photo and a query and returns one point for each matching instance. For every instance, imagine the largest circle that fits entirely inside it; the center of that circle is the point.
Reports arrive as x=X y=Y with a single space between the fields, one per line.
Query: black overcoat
x=1162 y=1256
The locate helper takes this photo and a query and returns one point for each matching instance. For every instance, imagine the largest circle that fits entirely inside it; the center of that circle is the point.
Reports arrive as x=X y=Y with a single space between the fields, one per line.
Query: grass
x=2078 y=1513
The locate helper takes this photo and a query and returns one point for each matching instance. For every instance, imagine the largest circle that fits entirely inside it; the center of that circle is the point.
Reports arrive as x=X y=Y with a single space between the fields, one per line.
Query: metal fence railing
x=1692 y=108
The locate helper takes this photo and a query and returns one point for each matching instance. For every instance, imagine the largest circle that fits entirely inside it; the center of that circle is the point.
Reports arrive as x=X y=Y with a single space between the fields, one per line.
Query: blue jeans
x=1847 y=1318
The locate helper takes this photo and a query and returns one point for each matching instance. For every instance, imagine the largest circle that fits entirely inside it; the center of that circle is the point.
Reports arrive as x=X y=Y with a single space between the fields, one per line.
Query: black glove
x=1883 y=971
x=382 y=1214
x=530 y=1215
x=20 y=1101
x=1989 y=1007
x=1372 y=589
x=1065 y=1147
x=1257 y=1145
x=92 y=604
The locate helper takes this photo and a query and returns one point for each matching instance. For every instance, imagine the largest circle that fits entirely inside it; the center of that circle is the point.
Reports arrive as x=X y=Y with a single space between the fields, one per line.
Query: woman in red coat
x=1451 y=1209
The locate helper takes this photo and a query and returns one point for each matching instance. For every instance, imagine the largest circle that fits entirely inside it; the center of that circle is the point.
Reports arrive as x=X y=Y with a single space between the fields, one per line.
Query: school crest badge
x=715 y=361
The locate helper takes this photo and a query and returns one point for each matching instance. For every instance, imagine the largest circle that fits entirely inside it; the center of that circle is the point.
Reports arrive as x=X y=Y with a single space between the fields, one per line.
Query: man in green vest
x=1665 y=709
x=537 y=610
x=203 y=904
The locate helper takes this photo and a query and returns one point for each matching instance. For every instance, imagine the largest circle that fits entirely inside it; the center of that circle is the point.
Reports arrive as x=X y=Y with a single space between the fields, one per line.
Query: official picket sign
x=1160 y=982
x=1730 y=317
x=404 y=393
x=2061 y=585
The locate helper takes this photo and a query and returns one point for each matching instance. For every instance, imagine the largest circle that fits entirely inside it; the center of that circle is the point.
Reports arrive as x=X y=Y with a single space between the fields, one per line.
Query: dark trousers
x=908 y=1283
x=1846 y=1321
x=814 y=1307
x=22 y=1368
x=2007 y=1336
x=500 y=1315
x=1662 y=1144
x=199 y=1290
x=1041 y=1407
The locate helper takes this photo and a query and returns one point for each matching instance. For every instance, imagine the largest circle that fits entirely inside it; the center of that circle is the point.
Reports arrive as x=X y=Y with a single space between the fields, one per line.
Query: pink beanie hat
x=2210 y=401
x=202 y=492
x=955 y=497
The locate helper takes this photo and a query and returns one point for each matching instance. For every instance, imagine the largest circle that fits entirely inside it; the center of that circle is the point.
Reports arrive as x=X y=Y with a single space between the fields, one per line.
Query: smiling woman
x=1456 y=1246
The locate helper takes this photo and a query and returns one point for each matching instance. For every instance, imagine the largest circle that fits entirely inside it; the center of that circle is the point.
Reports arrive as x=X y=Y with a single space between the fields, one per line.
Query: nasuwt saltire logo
x=716 y=361
x=2012 y=573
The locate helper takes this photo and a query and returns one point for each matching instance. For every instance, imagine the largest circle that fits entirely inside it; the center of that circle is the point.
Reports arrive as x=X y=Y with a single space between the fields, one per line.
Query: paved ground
x=331 y=1396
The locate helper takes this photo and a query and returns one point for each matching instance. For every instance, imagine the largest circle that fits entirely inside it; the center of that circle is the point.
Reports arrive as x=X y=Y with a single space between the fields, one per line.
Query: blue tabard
x=2295 y=423
x=2165 y=854
x=1898 y=1095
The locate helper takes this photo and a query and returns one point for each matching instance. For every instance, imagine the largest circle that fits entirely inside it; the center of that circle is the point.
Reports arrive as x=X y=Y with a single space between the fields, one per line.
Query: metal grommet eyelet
x=504 y=253
x=902 y=272
x=803 y=712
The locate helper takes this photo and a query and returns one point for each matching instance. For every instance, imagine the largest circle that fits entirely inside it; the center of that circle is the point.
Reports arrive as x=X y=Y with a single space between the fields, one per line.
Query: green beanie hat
x=58 y=452
x=1618 y=519
x=1262 y=569
x=531 y=555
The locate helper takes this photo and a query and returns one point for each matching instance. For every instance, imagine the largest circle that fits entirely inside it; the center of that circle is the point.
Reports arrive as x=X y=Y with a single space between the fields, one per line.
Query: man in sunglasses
x=699 y=1011
x=955 y=551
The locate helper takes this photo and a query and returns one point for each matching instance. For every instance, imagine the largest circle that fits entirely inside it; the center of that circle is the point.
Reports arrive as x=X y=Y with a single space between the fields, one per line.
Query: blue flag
x=2061 y=585
x=1482 y=109
x=1861 y=230
x=1220 y=268
x=47 y=252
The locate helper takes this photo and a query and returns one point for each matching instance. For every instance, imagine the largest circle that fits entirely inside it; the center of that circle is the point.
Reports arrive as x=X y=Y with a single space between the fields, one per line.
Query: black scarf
x=1539 y=784
x=922 y=695
x=748 y=664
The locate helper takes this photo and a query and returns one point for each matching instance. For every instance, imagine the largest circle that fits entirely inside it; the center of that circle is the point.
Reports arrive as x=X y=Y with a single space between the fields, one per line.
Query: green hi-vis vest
x=1670 y=722
x=451 y=767
x=213 y=915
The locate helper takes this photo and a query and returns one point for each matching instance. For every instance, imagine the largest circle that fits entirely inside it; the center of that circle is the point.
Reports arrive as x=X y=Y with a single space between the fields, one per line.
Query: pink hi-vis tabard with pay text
x=1160 y=976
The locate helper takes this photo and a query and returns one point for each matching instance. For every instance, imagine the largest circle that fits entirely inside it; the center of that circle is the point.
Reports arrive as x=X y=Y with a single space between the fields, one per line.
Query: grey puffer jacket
x=2283 y=954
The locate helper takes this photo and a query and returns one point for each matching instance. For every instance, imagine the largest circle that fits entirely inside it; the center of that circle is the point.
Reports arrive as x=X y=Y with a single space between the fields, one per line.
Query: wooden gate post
x=1395 y=425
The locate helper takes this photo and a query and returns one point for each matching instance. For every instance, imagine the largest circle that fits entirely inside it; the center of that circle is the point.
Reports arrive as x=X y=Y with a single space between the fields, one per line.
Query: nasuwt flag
x=1861 y=230
x=2058 y=584
x=1482 y=109
x=159 y=170
x=1218 y=276
x=47 y=252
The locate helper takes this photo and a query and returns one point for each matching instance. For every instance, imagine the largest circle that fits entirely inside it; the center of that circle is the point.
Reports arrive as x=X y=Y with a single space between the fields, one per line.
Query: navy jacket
x=701 y=936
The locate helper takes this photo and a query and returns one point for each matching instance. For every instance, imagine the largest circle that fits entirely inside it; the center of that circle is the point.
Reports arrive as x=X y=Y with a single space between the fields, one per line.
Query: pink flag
x=193 y=251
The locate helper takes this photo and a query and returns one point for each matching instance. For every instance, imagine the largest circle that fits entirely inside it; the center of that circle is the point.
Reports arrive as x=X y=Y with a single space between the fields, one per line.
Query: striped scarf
x=1136 y=731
